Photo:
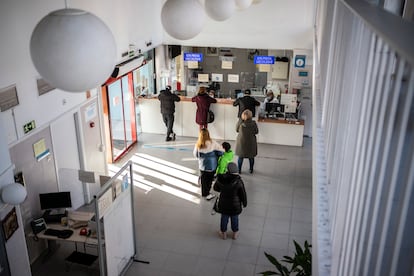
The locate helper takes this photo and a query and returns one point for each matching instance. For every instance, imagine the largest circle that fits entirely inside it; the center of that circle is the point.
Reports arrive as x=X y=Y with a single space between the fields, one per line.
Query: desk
x=78 y=257
x=76 y=238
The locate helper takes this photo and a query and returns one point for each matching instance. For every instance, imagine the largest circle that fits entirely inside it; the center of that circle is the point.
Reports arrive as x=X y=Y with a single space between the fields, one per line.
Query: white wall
x=270 y=24
x=130 y=25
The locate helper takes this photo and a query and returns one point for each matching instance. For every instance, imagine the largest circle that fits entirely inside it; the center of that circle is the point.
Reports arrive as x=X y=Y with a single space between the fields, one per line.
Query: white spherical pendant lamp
x=182 y=19
x=13 y=194
x=220 y=10
x=243 y=4
x=73 y=50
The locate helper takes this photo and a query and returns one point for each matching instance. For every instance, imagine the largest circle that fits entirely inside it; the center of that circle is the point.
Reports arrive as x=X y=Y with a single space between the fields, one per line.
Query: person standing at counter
x=207 y=152
x=246 y=142
x=167 y=104
x=203 y=101
x=246 y=102
x=270 y=98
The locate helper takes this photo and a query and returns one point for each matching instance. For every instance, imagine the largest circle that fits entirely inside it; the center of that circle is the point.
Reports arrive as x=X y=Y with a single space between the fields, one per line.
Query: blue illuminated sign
x=193 y=57
x=264 y=59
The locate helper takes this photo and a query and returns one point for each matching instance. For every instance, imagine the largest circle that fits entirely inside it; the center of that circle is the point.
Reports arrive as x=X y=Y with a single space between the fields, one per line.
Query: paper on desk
x=80 y=216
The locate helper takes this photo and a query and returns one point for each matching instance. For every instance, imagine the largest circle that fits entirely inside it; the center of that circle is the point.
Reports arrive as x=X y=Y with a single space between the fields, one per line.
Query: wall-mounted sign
x=29 y=126
x=40 y=150
x=193 y=57
x=264 y=59
x=264 y=68
x=8 y=98
x=226 y=64
x=217 y=77
x=233 y=78
x=91 y=112
x=192 y=64
x=203 y=77
x=300 y=61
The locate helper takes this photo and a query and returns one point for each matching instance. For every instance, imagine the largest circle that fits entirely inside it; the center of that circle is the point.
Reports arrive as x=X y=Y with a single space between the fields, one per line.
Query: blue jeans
x=225 y=220
x=240 y=163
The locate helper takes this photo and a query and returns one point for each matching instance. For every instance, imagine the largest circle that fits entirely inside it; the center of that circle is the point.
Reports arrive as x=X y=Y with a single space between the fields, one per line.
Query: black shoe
x=251 y=170
x=173 y=138
x=168 y=139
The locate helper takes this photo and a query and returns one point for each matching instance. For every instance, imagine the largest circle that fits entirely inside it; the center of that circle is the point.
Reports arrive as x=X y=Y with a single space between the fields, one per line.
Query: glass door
x=121 y=116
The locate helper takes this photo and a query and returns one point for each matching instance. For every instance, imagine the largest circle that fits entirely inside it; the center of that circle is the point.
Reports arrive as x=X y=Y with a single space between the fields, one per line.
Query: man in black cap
x=168 y=100
x=246 y=102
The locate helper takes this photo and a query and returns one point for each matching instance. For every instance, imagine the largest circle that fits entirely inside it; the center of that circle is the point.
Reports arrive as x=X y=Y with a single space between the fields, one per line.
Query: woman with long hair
x=207 y=152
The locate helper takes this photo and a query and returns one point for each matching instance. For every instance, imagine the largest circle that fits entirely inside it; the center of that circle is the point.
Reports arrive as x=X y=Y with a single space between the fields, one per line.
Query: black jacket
x=246 y=102
x=232 y=194
x=168 y=100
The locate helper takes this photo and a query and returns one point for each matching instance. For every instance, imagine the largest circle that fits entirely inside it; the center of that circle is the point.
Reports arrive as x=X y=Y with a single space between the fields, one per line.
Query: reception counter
x=271 y=131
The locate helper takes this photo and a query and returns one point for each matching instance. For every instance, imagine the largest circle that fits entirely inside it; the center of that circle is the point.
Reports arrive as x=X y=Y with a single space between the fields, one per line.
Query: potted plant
x=301 y=262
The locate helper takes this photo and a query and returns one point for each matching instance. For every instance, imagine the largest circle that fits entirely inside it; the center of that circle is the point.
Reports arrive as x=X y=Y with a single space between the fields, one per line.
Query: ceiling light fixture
x=243 y=4
x=220 y=10
x=182 y=19
x=14 y=193
x=73 y=50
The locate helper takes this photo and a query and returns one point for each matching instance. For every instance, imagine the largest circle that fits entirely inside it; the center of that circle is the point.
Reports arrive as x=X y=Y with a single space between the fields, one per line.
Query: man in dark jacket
x=168 y=100
x=232 y=199
x=246 y=102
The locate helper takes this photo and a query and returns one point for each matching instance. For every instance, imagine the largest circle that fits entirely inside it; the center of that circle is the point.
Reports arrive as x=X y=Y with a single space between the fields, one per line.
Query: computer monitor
x=274 y=108
x=238 y=93
x=59 y=200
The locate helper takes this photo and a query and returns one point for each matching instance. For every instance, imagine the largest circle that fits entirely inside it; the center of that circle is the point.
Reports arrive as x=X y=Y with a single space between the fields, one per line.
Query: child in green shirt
x=224 y=159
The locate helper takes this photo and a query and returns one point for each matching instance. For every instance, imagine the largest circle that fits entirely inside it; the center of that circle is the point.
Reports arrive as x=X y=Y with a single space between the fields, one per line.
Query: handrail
x=384 y=25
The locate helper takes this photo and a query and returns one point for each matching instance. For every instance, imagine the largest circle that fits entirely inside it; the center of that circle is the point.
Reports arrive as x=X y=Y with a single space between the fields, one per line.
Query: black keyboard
x=52 y=232
x=63 y=234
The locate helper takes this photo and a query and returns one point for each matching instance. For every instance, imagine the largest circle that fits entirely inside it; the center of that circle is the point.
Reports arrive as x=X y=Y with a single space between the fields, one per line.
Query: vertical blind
x=364 y=144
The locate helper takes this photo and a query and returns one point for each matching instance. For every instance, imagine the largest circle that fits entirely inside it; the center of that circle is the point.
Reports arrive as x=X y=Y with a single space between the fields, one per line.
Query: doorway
x=120 y=116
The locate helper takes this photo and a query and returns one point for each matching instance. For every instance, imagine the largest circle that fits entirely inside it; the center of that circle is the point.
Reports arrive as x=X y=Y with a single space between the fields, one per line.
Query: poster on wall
x=192 y=64
x=4 y=261
x=91 y=112
x=217 y=77
x=202 y=77
x=233 y=78
x=10 y=224
x=40 y=150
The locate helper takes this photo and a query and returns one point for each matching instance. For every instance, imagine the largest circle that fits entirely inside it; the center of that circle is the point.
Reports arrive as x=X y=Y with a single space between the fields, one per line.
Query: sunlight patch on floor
x=171 y=178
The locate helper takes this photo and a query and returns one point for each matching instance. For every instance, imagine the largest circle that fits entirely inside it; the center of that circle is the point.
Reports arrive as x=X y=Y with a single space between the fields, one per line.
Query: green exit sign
x=29 y=126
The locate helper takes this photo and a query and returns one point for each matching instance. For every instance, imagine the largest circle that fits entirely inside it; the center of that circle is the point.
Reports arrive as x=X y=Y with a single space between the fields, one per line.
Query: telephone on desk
x=53 y=216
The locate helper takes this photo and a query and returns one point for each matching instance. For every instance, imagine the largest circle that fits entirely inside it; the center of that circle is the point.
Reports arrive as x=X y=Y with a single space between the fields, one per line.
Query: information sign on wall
x=264 y=59
x=29 y=126
x=193 y=57
x=300 y=61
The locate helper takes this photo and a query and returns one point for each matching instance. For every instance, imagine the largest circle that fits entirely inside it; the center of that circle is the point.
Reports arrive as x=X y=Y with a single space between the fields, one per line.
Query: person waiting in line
x=246 y=142
x=231 y=201
x=167 y=105
x=203 y=101
x=246 y=102
x=270 y=98
x=207 y=152
x=226 y=158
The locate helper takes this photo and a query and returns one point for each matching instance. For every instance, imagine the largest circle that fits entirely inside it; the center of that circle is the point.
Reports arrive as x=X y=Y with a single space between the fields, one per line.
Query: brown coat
x=246 y=144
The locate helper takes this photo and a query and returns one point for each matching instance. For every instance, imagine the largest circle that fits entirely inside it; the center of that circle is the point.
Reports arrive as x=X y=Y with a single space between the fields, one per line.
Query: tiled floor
x=176 y=232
